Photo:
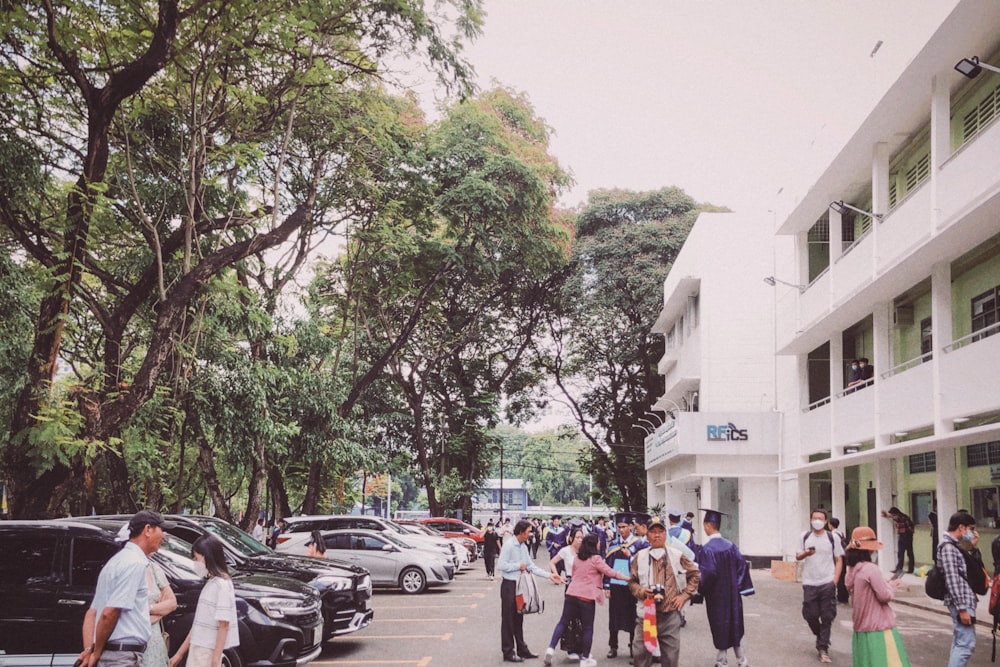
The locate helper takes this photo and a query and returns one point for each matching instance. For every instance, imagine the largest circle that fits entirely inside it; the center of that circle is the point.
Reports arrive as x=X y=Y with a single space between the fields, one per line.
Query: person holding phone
x=822 y=558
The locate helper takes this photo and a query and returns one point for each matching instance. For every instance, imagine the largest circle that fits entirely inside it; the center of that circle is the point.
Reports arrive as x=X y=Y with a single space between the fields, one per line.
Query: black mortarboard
x=557 y=516
x=713 y=516
x=642 y=518
x=674 y=515
x=624 y=517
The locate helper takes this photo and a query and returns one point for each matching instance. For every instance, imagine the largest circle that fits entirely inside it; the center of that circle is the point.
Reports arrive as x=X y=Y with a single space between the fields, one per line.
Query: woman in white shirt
x=214 y=628
x=568 y=553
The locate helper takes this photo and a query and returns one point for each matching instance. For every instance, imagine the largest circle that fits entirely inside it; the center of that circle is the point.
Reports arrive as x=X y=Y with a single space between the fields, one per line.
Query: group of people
x=861 y=374
x=122 y=626
x=648 y=573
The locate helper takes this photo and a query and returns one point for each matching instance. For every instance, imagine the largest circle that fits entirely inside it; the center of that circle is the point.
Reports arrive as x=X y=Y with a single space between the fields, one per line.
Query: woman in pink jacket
x=586 y=587
x=876 y=642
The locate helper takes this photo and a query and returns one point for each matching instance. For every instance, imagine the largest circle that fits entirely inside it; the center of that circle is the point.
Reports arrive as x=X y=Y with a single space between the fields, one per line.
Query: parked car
x=467 y=543
x=49 y=571
x=306 y=524
x=345 y=589
x=455 y=528
x=391 y=561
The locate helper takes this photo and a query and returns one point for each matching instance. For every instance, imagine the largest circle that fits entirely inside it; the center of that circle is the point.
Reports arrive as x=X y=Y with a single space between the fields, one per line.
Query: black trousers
x=490 y=559
x=819 y=608
x=904 y=546
x=511 y=622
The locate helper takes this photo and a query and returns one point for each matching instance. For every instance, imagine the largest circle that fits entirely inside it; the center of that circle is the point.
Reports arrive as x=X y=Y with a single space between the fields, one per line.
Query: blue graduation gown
x=725 y=577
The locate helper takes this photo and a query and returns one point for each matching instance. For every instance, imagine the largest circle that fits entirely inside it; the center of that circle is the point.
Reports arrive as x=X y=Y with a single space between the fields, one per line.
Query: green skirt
x=882 y=648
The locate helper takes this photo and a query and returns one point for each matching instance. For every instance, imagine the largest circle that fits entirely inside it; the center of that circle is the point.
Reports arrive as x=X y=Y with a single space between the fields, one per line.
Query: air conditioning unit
x=902 y=315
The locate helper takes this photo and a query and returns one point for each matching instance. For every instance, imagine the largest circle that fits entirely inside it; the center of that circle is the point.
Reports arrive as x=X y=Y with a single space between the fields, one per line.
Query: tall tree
x=603 y=355
x=167 y=134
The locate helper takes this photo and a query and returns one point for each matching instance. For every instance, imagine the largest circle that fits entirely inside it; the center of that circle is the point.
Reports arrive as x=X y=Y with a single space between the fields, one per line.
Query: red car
x=456 y=528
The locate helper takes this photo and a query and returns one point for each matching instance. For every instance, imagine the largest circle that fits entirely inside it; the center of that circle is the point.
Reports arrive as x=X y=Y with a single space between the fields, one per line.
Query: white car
x=390 y=561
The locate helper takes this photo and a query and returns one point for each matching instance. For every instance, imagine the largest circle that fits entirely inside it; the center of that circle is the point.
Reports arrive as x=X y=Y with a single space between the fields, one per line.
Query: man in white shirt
x=823 y=559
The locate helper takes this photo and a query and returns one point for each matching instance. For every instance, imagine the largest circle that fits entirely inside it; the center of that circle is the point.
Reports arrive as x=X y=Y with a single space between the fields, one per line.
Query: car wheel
x=232 y=658
x=412 y=580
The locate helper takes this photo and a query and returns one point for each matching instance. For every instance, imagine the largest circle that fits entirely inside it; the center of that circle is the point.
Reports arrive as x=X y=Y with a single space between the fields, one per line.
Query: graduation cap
x=641 y=518
x=557 y=517
x=624 y=517
x=674 y=515
x=713 y=516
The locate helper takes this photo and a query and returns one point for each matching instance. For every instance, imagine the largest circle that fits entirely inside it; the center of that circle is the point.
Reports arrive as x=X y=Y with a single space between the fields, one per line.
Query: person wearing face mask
x=725 y=579
x=960 y=599
x=215 y=626
x=822 y=559
x=654 y=574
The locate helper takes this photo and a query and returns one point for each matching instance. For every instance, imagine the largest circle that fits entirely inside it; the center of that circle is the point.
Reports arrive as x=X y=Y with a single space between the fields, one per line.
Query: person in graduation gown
x=555 y=538
x=725 y=579
x=621 y=604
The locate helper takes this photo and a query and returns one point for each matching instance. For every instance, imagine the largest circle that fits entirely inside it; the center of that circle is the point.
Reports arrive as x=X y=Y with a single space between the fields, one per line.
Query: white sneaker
x=573 y=656
x=588 y=662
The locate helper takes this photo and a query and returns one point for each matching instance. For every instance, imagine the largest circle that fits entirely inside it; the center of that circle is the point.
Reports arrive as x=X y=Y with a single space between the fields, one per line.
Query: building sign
x=725 y=432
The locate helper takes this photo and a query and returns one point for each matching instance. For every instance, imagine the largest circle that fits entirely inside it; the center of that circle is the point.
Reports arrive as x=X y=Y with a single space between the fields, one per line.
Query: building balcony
x=684 y=366
x=814 y=428
x=854 y=415
x=970 y=175
x=969 y=370
x=906 y=398
x=667 y=361
x=906 y=227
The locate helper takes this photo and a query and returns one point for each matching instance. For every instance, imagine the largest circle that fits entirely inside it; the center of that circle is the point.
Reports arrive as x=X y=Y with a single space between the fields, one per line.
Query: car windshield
x=395 y=526
x=420 y=529
x=395 y=540
x=245 y=544
x=177 y=553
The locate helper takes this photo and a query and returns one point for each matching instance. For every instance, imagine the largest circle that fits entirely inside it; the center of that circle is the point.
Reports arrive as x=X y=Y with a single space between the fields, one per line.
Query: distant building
x=488 y=497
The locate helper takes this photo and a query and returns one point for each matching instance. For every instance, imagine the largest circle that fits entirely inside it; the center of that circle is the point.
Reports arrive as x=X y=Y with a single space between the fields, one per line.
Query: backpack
x=528 y=600
x=975 y=574
x=833 y=549
x=572 y=637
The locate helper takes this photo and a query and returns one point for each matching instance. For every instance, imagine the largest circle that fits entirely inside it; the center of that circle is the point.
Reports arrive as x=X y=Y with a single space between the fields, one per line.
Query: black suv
x=344 y=588
x=49 y=570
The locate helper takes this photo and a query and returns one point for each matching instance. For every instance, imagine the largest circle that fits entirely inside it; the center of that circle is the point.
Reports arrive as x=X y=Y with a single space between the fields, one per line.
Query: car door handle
x=73 y=603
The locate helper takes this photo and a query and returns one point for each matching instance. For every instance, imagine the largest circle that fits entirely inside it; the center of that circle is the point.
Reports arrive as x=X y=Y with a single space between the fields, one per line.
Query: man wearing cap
x=116 y=627
x=725 y=579
x=514 y=559
x=823 y=559
x=621 y=605
x=655 y=574
x=555 y=539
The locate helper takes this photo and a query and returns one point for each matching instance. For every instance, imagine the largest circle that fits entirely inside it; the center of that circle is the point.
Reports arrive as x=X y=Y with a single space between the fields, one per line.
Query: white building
x=718 y=447
x=910 y=278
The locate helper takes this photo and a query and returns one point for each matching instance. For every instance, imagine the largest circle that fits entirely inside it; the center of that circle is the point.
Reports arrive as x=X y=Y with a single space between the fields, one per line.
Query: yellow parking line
x=445 y=637
x=432 y=606
x=460 y=619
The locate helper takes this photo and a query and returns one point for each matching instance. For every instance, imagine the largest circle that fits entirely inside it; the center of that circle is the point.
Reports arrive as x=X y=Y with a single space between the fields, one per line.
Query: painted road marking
x=432 y=606
x=445 y=637
x=423 y=662
x=460 y=619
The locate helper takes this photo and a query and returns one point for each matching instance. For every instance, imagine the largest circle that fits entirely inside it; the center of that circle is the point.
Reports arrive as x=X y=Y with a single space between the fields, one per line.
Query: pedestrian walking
x=876 y=642
x=491 y=549
x=515 y=559
x=822 y=559
x=585 y=589
x=215 y=625
x=117 y=627
x=725 y=579
x=960 y=599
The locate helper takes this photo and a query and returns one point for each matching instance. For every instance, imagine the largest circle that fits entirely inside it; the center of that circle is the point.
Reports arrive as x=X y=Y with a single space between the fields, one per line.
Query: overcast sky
x=729 y=100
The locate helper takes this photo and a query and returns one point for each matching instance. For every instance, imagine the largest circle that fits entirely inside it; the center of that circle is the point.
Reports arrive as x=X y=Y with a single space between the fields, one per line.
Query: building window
x=985 y=308
x=921 y=504
x=918 y=172
x=926 y=462
x=980 y=115
x=986 y=506
x=926 y=341
x=984 y=454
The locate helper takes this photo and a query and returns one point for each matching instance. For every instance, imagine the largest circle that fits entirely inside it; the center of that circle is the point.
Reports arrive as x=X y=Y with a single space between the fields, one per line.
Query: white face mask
x=818 y=524
x=657 y=553
x=200 y=569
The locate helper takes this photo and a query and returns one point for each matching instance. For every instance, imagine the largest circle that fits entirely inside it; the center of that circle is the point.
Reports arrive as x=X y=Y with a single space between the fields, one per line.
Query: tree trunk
x=278 y=494
x=311 y=500
x=206 y=461
x=255 y=489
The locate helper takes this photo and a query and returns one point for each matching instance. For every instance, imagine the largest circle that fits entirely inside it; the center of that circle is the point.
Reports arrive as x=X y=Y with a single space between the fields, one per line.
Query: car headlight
x=333 y=582
x=365 y=583
x=282 y=607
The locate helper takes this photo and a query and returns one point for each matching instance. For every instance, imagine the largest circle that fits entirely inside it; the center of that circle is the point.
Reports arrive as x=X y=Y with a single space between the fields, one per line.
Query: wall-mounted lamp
x=843 y=207
x=959 y=420
x=643 y=428
x=653 y=414
x=852 y=449
x=971 y=67
x=772 y=281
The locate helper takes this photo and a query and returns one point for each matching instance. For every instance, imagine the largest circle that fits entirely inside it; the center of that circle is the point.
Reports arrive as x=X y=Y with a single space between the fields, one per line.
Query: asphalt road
x=458 y=625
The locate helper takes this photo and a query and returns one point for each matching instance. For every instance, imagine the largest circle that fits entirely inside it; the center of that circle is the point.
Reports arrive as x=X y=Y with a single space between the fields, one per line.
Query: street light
x=772 y=281
x=843 y=207
x=971 y=67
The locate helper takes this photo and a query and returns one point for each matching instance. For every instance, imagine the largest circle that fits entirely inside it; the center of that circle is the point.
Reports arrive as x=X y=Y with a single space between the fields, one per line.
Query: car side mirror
x=467 y=531
x=388 y=547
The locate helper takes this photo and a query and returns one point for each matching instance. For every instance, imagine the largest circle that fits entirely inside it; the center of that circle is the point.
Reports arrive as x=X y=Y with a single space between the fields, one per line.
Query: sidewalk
x=912 y=595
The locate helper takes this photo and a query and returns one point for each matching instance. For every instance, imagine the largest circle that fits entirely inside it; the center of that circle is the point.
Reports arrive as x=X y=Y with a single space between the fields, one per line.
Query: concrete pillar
x=940 y=136
x=839 y=507
x=881 y=362
x=942 y=335
x=836 y=236
x=947 y=486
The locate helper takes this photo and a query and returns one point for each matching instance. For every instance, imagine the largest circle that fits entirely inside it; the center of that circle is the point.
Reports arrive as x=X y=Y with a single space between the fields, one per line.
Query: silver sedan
x=391 y=561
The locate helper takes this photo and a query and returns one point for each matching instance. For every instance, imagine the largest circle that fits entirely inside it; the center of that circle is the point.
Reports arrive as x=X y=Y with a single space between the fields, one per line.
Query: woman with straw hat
x=876 y=642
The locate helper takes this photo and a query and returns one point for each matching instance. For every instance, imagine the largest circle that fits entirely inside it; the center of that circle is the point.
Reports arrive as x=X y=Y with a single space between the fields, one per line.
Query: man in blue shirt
x=514 y=559
x=116 y=627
